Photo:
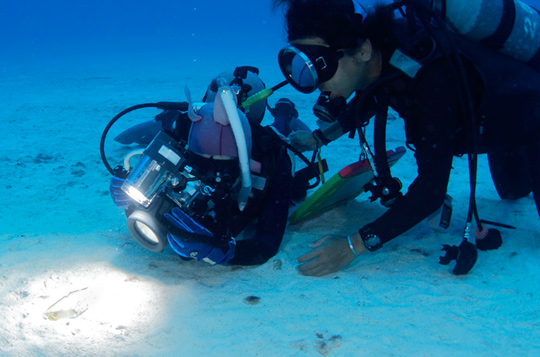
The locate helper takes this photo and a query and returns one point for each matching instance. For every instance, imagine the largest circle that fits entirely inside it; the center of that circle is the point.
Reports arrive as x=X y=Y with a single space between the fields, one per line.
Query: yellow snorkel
x=261 y=95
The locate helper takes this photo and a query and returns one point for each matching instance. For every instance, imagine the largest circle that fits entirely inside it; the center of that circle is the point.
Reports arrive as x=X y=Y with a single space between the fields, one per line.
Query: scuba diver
x=456 y=95
x=209 y=171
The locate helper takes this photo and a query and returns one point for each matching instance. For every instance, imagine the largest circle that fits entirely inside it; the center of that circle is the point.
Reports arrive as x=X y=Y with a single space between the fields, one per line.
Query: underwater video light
x=159 y=160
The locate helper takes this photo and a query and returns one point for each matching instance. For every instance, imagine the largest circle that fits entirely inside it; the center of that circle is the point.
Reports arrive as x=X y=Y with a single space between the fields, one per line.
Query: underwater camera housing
x=160 y=161
x=160 y=181
x=170 y=175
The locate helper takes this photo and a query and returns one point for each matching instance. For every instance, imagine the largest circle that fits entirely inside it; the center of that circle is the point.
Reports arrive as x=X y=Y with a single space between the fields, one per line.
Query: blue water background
x=60 y=32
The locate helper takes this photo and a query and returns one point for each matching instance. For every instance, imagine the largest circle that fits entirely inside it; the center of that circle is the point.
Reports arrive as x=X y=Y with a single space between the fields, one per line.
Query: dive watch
x=371 y=240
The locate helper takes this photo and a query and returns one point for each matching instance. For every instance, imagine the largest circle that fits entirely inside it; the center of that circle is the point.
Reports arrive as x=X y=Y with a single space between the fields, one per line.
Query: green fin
x=344 y=186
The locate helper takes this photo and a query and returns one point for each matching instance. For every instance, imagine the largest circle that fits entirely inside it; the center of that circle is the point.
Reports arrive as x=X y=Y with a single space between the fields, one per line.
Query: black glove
x=465 y=256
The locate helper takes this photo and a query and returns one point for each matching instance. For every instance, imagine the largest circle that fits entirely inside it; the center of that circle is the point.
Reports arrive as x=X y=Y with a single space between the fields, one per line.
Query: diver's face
x=351 y=74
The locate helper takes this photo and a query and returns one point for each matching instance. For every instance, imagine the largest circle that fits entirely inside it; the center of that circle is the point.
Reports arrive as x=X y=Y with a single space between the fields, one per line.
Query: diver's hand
x=329 y=255
x=303 y=140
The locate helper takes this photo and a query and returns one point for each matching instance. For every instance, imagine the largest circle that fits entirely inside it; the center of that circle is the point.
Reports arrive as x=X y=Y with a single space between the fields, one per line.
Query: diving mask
x=307 y=66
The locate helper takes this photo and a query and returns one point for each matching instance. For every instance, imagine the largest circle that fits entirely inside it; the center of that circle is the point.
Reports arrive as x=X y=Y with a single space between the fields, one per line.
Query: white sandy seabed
x=73 y=282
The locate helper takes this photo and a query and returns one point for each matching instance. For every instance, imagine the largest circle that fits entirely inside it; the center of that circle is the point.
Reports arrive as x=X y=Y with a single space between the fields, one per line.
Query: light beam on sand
x=114 y=298
x=97 y=302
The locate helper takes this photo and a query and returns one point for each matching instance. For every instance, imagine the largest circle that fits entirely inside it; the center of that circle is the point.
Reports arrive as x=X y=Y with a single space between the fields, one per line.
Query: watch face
x=372 y=242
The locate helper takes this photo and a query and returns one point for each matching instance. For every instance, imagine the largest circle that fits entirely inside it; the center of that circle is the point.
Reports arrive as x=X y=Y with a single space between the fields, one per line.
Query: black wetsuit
x=506 y=98
x=271 y=217
x=268 y=208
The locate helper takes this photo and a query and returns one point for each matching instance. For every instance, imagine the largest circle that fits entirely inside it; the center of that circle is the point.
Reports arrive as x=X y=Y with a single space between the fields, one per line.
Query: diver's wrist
x=319 y=137
x=356 y=244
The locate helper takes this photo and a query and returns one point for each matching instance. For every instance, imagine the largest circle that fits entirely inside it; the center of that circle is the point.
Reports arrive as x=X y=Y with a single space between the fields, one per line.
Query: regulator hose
x=159 y=105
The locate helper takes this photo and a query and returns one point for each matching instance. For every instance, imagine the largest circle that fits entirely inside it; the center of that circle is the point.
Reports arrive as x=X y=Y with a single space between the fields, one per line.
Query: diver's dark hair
x=336 y=23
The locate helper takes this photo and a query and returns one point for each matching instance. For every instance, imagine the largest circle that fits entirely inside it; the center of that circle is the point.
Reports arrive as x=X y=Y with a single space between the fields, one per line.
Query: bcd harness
x=421 y=38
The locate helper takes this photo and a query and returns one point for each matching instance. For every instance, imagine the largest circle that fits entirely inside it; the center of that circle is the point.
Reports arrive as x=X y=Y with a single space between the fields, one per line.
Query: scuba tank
x=508 y=26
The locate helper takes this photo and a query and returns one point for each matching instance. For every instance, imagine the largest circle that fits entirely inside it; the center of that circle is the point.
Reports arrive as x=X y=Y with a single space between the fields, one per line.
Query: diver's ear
x=365 y=50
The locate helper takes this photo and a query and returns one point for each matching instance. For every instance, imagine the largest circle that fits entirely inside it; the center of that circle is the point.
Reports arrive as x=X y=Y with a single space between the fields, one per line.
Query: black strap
x=381 y=161
x=497 y=40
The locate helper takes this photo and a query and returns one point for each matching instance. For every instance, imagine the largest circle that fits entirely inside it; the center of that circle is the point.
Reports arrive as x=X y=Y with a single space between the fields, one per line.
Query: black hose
x=110 y=124
x=183 y=106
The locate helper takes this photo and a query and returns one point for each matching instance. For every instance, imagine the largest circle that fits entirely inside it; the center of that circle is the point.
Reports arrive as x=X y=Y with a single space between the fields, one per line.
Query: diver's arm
x=432 y=129
x=425 y=195
x=271 y=221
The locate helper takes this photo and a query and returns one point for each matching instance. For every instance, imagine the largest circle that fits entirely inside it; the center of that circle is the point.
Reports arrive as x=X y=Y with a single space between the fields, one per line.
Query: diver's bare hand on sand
x=329 y=255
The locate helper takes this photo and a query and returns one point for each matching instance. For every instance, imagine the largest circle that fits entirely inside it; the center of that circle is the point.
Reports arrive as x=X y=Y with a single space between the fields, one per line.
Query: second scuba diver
x=232 y=172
